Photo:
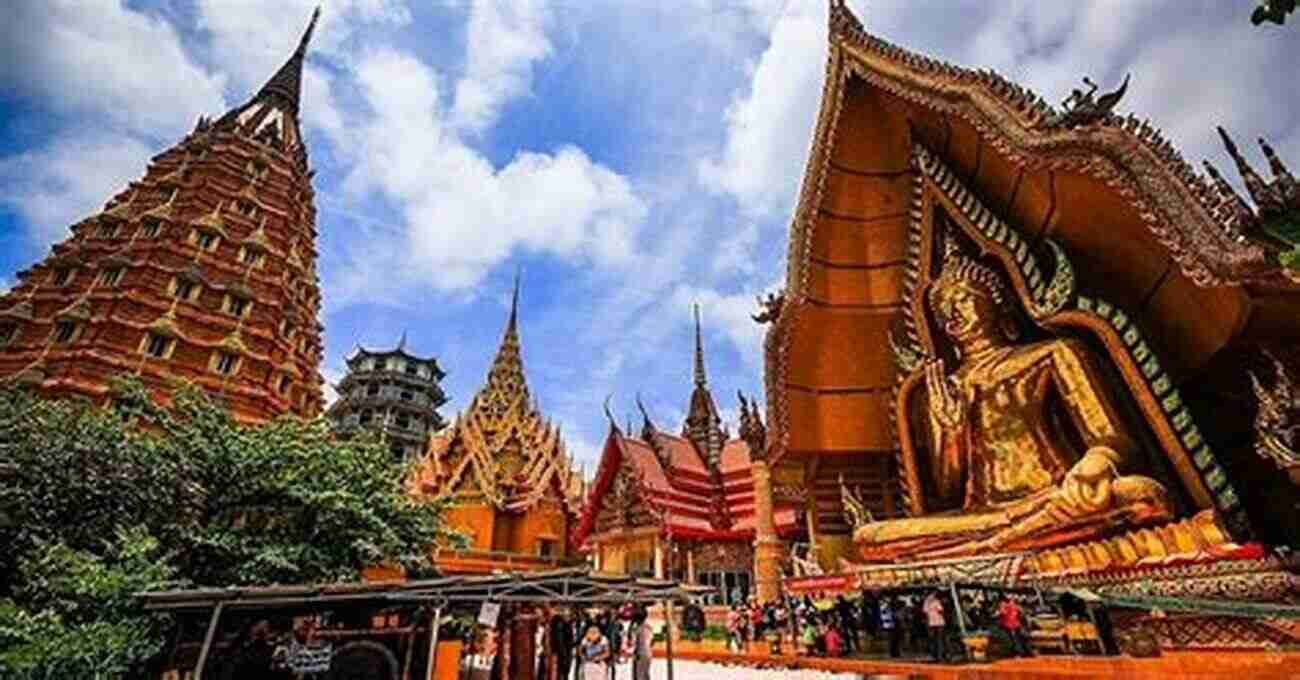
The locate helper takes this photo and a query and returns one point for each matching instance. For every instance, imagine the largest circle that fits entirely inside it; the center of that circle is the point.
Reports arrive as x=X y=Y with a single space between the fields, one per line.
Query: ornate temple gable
x=501 y=448
x=1195 y=223
x=943 y=209
x=201 y=270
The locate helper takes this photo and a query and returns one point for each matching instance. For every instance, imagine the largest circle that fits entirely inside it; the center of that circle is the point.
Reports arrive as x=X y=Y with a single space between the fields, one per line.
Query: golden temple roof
x=501 y=449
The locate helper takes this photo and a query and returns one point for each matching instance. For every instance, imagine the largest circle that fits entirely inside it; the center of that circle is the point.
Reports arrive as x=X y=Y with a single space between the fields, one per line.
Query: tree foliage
x=97 y=503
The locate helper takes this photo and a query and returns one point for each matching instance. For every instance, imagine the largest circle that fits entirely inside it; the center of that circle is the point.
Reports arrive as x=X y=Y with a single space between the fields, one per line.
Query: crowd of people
x=917 y=623
x=595 y=644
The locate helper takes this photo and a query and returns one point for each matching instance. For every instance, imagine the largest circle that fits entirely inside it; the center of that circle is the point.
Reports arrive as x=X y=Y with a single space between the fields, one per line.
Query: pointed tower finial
x=514 y=305
x=286 y=84
x=1260 y=192
x=701 y=379
x=1284 y=183
x=401 y=343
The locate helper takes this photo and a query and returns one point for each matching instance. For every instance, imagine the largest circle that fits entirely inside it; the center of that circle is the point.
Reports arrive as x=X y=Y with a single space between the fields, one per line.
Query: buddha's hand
x=1087 y=486
x=945 y=400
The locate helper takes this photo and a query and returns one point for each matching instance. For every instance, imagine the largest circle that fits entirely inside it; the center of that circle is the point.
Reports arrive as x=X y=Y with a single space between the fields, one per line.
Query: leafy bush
x=98 y=503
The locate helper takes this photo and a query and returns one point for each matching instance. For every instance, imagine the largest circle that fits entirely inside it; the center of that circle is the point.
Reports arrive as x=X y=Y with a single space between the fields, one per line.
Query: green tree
x=99 y=502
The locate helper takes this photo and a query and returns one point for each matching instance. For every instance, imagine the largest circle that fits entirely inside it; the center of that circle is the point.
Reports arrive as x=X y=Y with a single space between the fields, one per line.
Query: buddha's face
x=966 y=311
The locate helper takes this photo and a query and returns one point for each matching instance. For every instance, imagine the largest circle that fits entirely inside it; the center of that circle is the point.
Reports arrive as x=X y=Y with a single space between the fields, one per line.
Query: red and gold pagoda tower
x=203 y=270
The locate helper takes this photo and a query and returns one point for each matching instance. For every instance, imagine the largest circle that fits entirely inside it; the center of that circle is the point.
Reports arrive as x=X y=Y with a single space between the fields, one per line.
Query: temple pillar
x=659 y=557
x=769 y=551
x=690 y=564
x=595 y=556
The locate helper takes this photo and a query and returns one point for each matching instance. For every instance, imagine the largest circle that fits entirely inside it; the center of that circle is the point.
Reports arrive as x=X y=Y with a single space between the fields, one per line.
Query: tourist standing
x=642 y=636
x=847 y=614
x=934 y=618
x=834 y=641
x=733 y=628
x=594 y=653
x=889 y=624
x=561 y=632
x=1012 y=619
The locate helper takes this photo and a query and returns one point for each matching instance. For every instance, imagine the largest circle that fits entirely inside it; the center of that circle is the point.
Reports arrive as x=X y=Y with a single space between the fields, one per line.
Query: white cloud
x=769 y=124
x=70 y=179
x=462 y=214
x=505 y=38
x=103 y=58
x=251 y=39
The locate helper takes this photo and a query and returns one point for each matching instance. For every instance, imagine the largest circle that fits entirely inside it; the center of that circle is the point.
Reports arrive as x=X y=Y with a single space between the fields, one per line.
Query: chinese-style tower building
x=504 y=468
x=682 y=507
x=203 y=270
x=1052 y=352
x=392 y=393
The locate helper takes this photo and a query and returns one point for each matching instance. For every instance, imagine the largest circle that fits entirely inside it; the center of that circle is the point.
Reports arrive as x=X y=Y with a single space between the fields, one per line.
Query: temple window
x=106 y=231
x=407 y=395
x=66 y=332
x=372 y=389
x=285 y=381
x=111 y=276
x=151 y=229
x=248 y=208
x=158 y=345
x=62 y=276
x=205 y=240
x=225 y=363
x=545 y=547
x=366 y=417
x=8 y=331
x=184 y=289
x=237 y=306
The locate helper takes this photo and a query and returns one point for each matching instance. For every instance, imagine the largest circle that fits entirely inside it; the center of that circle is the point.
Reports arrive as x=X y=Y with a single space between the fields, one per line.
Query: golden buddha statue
x=1024 y=441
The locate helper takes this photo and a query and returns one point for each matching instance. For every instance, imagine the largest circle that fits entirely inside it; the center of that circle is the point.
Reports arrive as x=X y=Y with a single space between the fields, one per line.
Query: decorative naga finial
x=769 y=308
x=751 y=429
x=1082 y=108
x=647 y=426
x=609 y=415
x=1277 y=420
x=854 y=507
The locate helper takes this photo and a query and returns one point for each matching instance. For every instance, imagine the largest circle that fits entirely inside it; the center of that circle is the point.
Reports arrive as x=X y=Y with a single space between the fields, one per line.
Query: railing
x=507 y=559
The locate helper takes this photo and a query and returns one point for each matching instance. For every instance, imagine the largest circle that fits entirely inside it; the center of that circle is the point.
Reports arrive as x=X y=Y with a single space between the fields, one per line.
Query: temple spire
x=1265 y=198
x=286 y=84
x=511 y=325
x=701 y=378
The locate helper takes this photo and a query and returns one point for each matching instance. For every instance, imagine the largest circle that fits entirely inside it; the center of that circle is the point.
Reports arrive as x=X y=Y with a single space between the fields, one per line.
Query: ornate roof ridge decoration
x=213 y=219
x=513 y=456
x=23 y=309
x=162 y=211
x=166 y=323
x=79 y=310
x=122 y=210
x=1126 y=153
x=362 y=351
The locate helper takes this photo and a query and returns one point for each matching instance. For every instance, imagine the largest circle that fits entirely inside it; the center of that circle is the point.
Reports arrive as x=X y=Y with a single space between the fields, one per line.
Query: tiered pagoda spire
x=203 y=270
x=703 y=425
x=501 y=449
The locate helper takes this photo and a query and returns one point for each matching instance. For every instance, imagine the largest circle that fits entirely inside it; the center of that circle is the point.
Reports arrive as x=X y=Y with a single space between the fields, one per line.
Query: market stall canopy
x=561 y=586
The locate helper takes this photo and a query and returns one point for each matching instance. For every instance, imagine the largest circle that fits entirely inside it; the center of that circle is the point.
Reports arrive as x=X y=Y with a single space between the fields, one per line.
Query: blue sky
x=631 y=158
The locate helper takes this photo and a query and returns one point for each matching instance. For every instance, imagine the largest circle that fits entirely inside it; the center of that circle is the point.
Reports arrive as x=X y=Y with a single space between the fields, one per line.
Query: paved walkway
x=1239 y=665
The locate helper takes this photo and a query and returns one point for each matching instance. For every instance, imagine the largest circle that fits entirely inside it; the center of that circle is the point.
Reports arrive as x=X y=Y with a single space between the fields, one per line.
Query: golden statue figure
x=1023 y=437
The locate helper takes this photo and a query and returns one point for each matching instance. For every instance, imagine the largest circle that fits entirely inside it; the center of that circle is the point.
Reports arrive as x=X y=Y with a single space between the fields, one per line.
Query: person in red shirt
x=834 y=641
x=1012 y=619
